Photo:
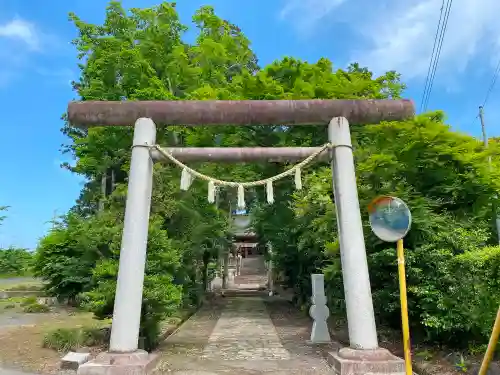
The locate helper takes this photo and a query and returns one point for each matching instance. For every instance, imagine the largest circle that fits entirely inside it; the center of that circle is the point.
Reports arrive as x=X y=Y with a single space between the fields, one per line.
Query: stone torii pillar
x=124 y=357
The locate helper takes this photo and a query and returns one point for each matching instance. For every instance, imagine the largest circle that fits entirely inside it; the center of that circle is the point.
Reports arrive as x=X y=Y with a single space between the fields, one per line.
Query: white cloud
x=21 y=42
x=21 y=30
x=306 y=13
x=403 y=38
x=399 y=35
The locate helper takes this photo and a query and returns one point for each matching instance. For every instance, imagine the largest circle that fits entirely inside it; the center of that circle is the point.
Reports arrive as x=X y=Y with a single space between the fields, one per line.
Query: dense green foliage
x=445 y=179
x=15 y=262
x=2 y=217
x=442 y=175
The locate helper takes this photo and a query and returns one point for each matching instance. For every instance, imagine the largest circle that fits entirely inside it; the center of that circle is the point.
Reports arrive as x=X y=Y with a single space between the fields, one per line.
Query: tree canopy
x=442 y=175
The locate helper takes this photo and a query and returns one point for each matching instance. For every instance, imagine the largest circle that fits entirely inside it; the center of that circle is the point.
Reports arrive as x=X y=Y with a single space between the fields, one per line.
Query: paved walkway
x=252 y=274
x=251 y=335
x=244 y=335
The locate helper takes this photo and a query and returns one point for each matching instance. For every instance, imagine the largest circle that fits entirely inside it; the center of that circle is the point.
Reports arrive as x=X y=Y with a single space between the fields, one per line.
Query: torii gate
x=123 y=355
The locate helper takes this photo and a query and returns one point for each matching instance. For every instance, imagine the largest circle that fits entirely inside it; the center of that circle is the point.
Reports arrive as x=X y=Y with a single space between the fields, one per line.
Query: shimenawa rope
x=188 y=175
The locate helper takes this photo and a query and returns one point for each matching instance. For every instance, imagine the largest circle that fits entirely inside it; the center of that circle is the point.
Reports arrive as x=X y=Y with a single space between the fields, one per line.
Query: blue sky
x=37 y=63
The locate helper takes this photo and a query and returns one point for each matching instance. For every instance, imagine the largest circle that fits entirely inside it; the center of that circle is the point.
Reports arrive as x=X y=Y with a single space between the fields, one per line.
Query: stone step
x=261 y=292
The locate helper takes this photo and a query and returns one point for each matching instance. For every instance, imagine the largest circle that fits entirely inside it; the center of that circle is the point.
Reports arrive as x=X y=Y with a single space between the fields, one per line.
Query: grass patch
x=17 y=300
x=24 y=304
x=169 y=325
x=66 y=339
x=25 y=301
x=36 y=308
x=23 y=346
x=11 y=303
x=14 y=276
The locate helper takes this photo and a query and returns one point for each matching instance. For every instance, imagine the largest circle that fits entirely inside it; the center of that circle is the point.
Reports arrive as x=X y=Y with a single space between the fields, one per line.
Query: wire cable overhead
x=492 y=84
x=436 y=52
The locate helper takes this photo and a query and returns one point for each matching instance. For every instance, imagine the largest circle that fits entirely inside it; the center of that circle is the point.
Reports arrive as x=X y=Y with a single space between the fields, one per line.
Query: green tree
x=445 y=179
x=138 y=55
x=15 y=261
x=141 y=54
x=3 y=209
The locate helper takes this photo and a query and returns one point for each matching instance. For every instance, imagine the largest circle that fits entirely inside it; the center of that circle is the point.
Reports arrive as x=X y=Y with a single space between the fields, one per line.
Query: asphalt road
x=16 y=280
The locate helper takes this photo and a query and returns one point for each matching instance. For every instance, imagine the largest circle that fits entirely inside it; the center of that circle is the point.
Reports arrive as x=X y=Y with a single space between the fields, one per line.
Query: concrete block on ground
x=20 y=293
x=73 y=360
x=48 y=301
x=348 y=361
x=139 y=362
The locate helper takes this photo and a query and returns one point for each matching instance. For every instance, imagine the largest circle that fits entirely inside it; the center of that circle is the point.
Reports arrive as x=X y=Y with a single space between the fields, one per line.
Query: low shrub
x=452 y=298
x=15 y=262
x=476 y=293
x=66 y=339
x=29 y=301
x=36 y=308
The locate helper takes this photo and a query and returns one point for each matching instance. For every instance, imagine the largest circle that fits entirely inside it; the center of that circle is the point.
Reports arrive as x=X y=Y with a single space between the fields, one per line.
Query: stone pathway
x=244 y=331
x=244 y=335
x=253 y=273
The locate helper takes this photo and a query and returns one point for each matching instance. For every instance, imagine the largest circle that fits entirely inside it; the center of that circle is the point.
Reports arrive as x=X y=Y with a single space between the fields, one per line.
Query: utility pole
x=485 y=142
x=54 y=218
x=483 y=129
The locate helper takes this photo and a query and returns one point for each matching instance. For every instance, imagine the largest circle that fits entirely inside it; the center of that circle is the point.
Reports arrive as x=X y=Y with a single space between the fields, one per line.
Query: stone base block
x=73 y=360
x=139 y=362
x=349 y=361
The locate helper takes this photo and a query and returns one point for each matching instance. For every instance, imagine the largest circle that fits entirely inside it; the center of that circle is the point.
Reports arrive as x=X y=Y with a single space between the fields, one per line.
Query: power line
x=490 y=89
x=442 y=33
x=436 y=52
x=432 y=56
x=440 y=45
x=473 y=121
x=492 y=84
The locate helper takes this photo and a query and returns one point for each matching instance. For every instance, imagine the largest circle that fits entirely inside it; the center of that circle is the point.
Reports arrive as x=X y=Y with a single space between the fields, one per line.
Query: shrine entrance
x=123 y=352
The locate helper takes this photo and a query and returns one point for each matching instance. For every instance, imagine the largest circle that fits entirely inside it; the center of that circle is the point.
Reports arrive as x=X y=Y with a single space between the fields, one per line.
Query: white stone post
x=357 y=289
x=128 y=300
x=270 y=273
x=319 y=311
x=231 y=278
x=239 y=259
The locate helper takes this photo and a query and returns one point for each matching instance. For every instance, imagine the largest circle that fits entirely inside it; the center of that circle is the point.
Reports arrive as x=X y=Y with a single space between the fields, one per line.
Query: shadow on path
x=244 y=335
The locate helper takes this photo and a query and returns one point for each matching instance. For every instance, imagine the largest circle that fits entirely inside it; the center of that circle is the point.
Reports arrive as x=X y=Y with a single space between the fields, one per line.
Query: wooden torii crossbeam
x=123 y=349
x=238 y=112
